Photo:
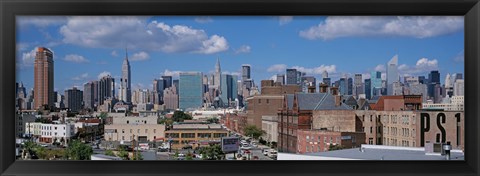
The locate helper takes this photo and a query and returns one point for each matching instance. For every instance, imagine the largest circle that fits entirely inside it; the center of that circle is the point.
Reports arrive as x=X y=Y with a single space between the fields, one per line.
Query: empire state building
x=125 y=82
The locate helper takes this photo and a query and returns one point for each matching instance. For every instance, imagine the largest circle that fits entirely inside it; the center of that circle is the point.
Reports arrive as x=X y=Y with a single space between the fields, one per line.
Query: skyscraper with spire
x=392 y=74
x=125 y=82
x=218 y=73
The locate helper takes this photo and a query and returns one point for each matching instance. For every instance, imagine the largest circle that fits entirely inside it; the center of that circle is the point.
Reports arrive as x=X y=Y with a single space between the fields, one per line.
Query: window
x=370 y=118
x=268 y=101
x=219 y=135
x=259 y=101
x=146 y=131
x=188 y=135
x=307 y=138
x=371 y=128
x=131 y=130
x=331 y=140
x=138 y=130
x=127 y=122
x=123 y=131
x=306 y=149
x=154 y=130
x=325 y=139
x=123 y=137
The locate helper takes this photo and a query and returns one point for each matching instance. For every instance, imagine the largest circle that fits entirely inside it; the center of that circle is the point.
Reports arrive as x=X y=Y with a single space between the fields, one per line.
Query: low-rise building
x=270 y=126
x=61 y=133
x=195 y=135
x=313 y=141
x=134 y=131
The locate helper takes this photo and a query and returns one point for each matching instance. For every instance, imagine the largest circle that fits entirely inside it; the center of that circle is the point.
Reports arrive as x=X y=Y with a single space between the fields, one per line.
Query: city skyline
x=422 y=44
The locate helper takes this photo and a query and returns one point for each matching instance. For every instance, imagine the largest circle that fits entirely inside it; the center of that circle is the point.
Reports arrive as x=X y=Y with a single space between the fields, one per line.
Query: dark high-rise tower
x=245 y=72
x=43 y=78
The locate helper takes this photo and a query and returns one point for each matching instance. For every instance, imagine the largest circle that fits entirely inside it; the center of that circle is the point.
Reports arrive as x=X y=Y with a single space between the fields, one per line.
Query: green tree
x=180 y=116
x=122 y=153
x=212 y=120
x=103 y=115
x=137 y=156
x=109 y=153
x=335 y=147
x=213 y=152
x=189 y=156
x=253 y=131
x=79 y=151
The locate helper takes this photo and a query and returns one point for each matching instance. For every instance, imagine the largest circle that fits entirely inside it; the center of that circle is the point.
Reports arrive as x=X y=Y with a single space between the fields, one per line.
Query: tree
x=189 y=156
x=109 y=153
x=122 y=153
x=79 y=151
x=137 y=156
x=212 y=120
x=253 y=131
x=335 y=147
x=103 y=115
x=180 y=116
x=213 y=152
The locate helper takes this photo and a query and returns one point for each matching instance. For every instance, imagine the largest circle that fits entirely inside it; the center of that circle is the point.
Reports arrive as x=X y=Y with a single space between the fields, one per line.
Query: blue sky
x=88 y=47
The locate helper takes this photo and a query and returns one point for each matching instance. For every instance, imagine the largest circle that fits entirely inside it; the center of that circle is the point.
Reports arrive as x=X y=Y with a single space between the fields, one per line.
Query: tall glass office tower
x=190 y=90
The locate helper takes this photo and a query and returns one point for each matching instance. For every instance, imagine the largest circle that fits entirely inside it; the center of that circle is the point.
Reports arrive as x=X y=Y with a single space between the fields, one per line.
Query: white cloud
x=317 y=70
x=171 y=73
x=103 y=74
x=203 y=19
x=282 y=20
x=80 y=77
x=137 y=33
x=138 y=86
x=380 y=68
x=361 y=26
x=40 y=21
x=423 y=65
x=277 y=68
x=28 y=58
x=243 y=49
x=213 y=45
x=460 y=57
x=75 y=58
x=141 y=56
x=114 y=53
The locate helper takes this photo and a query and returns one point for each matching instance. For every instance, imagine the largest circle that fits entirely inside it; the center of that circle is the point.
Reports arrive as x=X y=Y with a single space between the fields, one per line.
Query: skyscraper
x=291 y=76
x=433 y=79
x=73 y=99
x=368 y=88
x=43 y=78
x=357 y=88
x=218 y=72
x=349 y=86
x=459 y=88
x=392 y=74
x=158 y=87
x=343 y=86
x=190 y=90
x=168 y=81
x=106 y=89
x=376 y=83
x=245 y=72
x=88 y=95
x=170 y=98
x=228 y=89
x=280 y=78
x=125 y=82
x=308 y=81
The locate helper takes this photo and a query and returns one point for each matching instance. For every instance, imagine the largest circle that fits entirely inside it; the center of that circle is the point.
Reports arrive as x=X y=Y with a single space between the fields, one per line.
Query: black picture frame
x=9 y=9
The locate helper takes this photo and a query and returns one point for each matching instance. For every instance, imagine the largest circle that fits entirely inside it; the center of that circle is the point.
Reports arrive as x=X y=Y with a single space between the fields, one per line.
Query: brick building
x=398 y=103
x=235 y=122
x=297 y=113
x=195 y=135
x=312 y=141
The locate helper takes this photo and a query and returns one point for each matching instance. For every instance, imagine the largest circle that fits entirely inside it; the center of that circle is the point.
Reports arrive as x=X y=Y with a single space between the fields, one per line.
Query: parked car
x=246 y=146
x=181 y=156
x=265 y=152
x=272 y=154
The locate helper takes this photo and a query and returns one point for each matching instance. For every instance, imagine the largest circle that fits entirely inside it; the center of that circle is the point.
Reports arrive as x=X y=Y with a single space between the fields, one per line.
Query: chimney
x=323 y=88
x=311 y=89
x=338 y=100
x=334 y=90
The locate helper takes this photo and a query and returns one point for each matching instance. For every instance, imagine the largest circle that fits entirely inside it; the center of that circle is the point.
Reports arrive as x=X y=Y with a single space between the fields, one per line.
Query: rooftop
x=374 y=152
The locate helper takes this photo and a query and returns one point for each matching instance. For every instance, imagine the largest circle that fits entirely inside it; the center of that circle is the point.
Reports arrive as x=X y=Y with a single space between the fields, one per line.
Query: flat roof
x=380 y=152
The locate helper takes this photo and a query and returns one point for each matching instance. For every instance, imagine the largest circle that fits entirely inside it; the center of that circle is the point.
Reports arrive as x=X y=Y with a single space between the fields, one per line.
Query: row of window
x=199 y=135
x=325 y=138
x=138 y=130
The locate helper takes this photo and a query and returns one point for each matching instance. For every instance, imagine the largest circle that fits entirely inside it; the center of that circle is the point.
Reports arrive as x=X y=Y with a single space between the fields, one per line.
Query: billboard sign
x=230 y=144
